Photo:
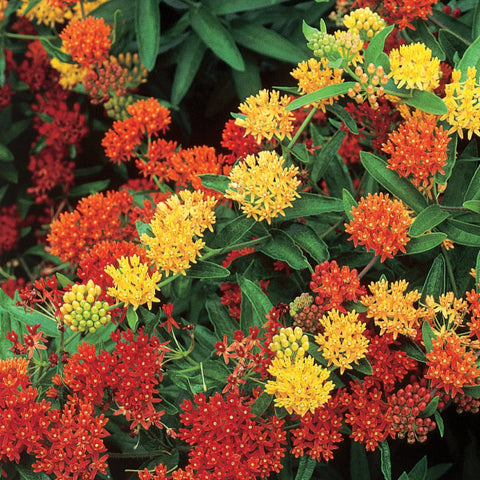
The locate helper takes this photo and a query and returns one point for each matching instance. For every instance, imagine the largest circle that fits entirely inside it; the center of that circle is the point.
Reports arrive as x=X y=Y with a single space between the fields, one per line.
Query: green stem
x=302 y=128
x=443 y=27
x=82 y=8
x=398 y=94
x=75 y=335
x=153 y=453
x=332 y=228
x=459 y=209
x=451 y=275
x=29 y=37
x=368 y=266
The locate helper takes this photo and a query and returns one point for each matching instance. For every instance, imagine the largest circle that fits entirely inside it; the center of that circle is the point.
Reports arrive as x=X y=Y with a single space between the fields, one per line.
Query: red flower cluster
x=10 y=223
x=237 y=142
x=232 y=296
x=229 y=442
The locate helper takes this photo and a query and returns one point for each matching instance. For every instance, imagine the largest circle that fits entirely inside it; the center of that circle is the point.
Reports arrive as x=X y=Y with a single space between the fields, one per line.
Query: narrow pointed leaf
x=311 y=204
x=385 y=461
x=473 y=205
x=325 y=92
x=258 y=302
x=473 y=189
x=463 y=233
x=427 y=101
x=205 y=269
x=147 y=31
x=435 y=282
x=428 y=335
x=309 y=240
x=376 y=45
x=348 y=203
x=326 y=154
x=427 y=219
x=282 y=247
x=219 y=183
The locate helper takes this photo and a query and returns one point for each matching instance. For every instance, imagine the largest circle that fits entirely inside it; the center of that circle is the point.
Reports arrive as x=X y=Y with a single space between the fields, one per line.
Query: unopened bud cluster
x=407 y=407
x=364 y=22
x=370 y=85
x=133 y=70
x=105 y=82
x=290 y=342
x=306 y=314
x=82 y=311
x=116 y=107
x=466 y=404
x=343 y=44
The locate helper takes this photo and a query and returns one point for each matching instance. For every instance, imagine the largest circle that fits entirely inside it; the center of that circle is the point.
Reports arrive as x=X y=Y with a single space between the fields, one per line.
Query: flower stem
x=368 y=266
x=22 y=36
x=451 y=275
x=302 y=128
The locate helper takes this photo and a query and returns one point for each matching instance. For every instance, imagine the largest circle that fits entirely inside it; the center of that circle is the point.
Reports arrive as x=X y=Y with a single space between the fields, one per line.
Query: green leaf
x=209 y=28
x=5 y=154
x=258 y=302
x=310 y=204
x=204 y=269
x=89 y=188
x=188 y=62
x=438 y=471
x=325 y=155
x=427 y=101
x=472 y=390
x=477 y=270
x=344 y=117
x=283 y=247
x=385 y=462
x=376 y=45
x=473 y=205
x=219 y=183
x=476 y=22
x=55 y=52
x=451 y=44
x=358 y=462
x=442 y=178
x=440 y=425
x=309 y=240
x=435 y=282
x=147 y=31
x=363 y=366
x=63 y=280
x=224 y=7
x=144 y=229
x=233 y=232
x=321 y=94
x=428 y=335
x=463 y=233
x=10 y=173
x=260 y=405
x=404 y=476
x=28 y=474
x=306 y=468
x=473 y=189
x=389 y=179
x=308 y=31
x=431 y=408
x=427 y=219
x=414 y=351
x=267 y=42
x=471 y=58
x=107 y=10
x=132 y=318
x=247 y=82
x=223 y=323
x=423 y=34
x=348 y=203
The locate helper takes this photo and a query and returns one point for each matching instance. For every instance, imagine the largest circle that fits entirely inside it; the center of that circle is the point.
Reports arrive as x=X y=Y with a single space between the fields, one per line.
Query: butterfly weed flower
x=413 y=66
x=266 y=116
x=393 y=308
x=177 y=226
x=381 y=224
x=290 y=343
x=133 y=282
x=462 y=100
x=263 y=186
x=342 y=341
x=364 y=22
x=300 y=385
x=418 y=149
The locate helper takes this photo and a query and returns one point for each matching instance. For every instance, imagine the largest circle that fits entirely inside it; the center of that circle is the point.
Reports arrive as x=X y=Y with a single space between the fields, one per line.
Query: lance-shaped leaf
x=427 y=101
x=321 y=94
x=147 y=31
x=435 y=282
x=424 y=243
x=375 y=48
x=310 y=204
x=258 y=304
x=461 y=232
x=309 y=240
x=427 y=219
x=282 y=247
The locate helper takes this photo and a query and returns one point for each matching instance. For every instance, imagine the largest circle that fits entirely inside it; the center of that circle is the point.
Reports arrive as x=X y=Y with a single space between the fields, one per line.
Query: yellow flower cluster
x=290 y=342
x=393 y=310
x=133 y=283
x=452 y=309
x=364 y=22
x=81 y=309
x=299 y=386
x=176 y=225
x=413 y=66
x=44 y=13
x=313 y=75
x=71 y=74
x=462 y=100
x=266 y=116
x=263 y=186
x=342 y=341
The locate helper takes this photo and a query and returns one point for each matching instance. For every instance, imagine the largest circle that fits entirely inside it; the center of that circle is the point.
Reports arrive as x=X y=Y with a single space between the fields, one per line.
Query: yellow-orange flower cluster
x=177 y=225
x=87 y=40
x=266 y=115
x=342 y=342
x=392 y=309
x=313 y=75
x=381 y=224
x=263 y=186
x=418 y=149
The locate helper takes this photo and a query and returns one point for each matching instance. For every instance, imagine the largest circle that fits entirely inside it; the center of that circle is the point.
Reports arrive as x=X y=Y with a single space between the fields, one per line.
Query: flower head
x=413 y=66
x=263 y=186
x=381 y=224
x=342 y=341
x=133 y=283
x=392 y=309
x=87 y=40
x=290 y=343
x=266 y=116
x=313 y=75
x=177 y=225
x=299 y=386
x=418 y=149
x=462 y=100
x=364 y=22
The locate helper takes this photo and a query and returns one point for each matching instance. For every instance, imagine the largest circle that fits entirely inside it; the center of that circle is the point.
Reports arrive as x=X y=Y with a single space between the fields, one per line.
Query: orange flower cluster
x=450 y=365
x=97 y=217
x=381 y=224
x=87 y=40
x=418 y=149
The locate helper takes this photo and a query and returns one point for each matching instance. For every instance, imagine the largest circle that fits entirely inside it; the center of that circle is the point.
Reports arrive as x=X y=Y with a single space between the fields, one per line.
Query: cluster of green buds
x=290 y=342
x=364 y=22
x=81 y=309
x=116 y=107
x=370 y=85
